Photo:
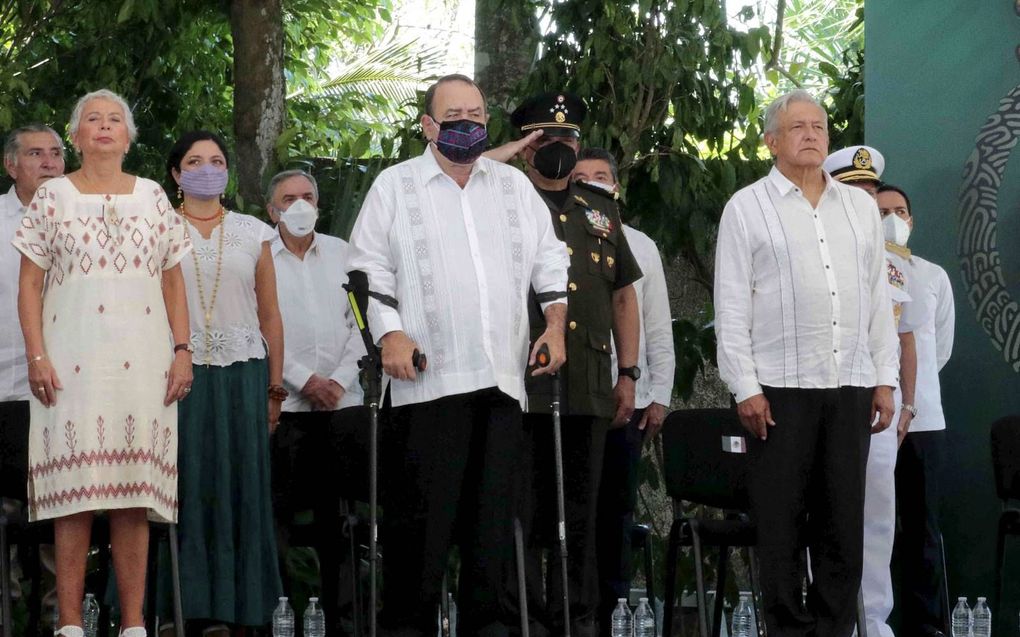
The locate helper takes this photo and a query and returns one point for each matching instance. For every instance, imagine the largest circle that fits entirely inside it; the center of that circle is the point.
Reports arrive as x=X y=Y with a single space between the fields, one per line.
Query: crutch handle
x=543 y=357
x=419 y=360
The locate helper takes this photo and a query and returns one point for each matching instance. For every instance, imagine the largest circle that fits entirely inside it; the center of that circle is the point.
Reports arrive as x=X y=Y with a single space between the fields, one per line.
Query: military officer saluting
x=603 y=305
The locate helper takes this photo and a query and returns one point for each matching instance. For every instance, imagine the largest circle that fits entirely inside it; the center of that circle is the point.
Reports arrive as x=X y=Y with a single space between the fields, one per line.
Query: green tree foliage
x=172 y=60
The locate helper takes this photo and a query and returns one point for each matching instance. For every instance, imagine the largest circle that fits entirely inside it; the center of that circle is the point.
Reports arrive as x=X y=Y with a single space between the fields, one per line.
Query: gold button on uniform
x=572 y=286
x=573 y=325
x=563 y=217
x=570 y=251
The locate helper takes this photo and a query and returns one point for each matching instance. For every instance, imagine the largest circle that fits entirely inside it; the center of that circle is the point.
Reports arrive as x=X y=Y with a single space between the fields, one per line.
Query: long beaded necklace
x=207 y=310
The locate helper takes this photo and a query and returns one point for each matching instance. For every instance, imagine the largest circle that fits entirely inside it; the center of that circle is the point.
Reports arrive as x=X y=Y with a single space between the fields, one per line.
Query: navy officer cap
x=558 y=114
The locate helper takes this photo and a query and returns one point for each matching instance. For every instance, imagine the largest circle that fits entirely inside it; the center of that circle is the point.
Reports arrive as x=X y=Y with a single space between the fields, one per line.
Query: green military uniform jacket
x=600 y=263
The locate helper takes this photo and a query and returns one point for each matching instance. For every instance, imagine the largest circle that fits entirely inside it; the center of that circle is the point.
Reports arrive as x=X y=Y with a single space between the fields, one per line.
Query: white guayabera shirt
x=13 y=366
x=801 y=293
x=318 y=335
x=460 y=263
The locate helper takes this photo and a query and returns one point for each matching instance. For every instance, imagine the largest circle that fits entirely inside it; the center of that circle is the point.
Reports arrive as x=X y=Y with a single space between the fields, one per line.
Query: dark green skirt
x=228 y=558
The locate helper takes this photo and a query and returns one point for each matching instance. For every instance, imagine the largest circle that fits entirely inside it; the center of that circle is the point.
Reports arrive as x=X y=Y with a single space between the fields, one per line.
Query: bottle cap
x=313 y=599
x=283 y=599
x=642 y=599
x=961 y=599
x=622 y=599
x=982 y=599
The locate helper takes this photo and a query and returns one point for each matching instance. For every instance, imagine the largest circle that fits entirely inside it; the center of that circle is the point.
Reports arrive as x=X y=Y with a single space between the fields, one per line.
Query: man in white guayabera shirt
x=320 y=372
x=452 y=242
x=32 y=154
x=807 y=346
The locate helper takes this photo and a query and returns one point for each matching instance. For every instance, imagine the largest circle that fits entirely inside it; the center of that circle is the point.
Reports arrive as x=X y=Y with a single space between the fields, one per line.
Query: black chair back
x=1006 y=457
x=702 y=458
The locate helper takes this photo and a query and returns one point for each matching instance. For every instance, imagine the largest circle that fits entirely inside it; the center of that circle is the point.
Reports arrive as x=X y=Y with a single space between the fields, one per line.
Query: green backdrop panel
x=943 y=106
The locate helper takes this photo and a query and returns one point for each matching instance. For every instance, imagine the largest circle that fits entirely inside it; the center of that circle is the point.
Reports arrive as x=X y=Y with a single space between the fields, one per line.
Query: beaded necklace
x=207 y=310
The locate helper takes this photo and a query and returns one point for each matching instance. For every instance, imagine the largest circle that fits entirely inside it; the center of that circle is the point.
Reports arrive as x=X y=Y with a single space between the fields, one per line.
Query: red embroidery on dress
x=166 y=441
x=148 y=310
x=46 y=442
x=85 y=263
x=70 y=435
x=101 y=430
x=129 y=430
x=127 y=364
x=101 y=309
x=154 y=436
x=137 y=261
x=119 y=262
x=137 y=237
x=104 y=492
x=77 y=369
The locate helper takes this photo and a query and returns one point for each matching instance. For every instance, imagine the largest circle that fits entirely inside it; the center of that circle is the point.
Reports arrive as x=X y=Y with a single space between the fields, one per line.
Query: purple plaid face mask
x=205 y=182
x=462 y=141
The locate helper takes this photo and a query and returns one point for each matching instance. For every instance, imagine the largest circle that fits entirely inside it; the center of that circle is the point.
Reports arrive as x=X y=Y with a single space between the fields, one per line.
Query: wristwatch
x=633 y=373
x=185 y=347
x=911 y=409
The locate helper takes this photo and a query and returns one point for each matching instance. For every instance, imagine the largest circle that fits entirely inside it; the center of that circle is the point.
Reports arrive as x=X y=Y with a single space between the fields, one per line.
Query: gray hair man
x=32 y=154
x=320 y=372
x=806 y=345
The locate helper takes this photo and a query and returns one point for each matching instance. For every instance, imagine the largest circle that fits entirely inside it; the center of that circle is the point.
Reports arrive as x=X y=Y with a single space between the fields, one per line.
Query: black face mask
x=554 y=161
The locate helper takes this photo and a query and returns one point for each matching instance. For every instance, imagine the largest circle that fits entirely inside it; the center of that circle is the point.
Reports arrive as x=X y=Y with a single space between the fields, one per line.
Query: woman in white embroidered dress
x=102 y=306
x=228 y=560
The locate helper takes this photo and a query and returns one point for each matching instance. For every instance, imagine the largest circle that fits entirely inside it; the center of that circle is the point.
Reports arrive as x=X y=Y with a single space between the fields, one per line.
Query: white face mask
x=897 y=230
x=299 y=218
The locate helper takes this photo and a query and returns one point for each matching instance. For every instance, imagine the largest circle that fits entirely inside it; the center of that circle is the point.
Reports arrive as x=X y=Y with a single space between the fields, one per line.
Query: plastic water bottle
x=90 y=615
x=315 y=619
x=743 y=617
x=644 y=619
x=622 y=620
x=982 y=622
x=283 y=619
x=961 y=618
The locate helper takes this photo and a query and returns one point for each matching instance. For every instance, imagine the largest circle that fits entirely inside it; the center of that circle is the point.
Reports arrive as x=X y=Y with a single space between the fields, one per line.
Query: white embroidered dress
x=109 y=442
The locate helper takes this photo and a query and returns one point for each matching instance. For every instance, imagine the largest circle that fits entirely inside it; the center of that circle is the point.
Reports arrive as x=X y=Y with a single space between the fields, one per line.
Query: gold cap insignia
x=560 y=117
x=862 y=159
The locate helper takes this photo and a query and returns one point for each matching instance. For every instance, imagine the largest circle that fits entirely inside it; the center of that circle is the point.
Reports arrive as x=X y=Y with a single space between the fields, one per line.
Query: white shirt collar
x=17 y=208
x=785 y=186
x=430 y=168
x=278 y=244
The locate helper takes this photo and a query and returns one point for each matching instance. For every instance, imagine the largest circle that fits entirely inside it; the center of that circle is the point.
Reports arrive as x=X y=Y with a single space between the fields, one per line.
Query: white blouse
x=233 y=333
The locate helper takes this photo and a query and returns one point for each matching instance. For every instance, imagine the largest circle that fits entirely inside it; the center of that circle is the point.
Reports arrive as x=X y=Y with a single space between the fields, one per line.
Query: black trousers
x=584 y=439
x=617 y=501
x=307 y=455
x=806 y=485
x=14 y=450
x=449 y=474
x=918 y=547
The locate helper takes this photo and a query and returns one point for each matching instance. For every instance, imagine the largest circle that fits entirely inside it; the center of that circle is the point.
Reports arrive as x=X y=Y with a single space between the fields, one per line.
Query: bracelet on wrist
x=36 y=359
x=277 y=393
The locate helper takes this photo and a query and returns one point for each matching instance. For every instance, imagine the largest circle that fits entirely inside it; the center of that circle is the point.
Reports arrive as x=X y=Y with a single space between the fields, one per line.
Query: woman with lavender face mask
x=226 y=522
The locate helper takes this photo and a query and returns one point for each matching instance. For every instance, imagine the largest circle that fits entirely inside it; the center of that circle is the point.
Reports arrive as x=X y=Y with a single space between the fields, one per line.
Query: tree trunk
x=506 y=41
x=259 y=85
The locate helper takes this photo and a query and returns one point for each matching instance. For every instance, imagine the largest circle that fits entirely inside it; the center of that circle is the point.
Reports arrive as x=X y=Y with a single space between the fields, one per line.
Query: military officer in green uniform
x=602 y=305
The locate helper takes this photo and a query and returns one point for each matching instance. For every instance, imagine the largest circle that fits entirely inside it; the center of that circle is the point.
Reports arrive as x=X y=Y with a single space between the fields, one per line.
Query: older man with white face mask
x=320 y=371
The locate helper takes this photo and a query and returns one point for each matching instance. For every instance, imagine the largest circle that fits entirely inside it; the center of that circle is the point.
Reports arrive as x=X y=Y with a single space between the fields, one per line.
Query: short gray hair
x=105 y=94
x=13 y=143
x=278 y=178
x=782 y=103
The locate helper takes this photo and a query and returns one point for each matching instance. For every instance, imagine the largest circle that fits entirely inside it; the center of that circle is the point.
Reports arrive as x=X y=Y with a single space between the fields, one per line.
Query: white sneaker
x=134 y=631
x=69 y=631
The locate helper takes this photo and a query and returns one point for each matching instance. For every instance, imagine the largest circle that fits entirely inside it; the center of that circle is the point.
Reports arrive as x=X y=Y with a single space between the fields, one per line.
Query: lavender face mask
x=205 y=182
